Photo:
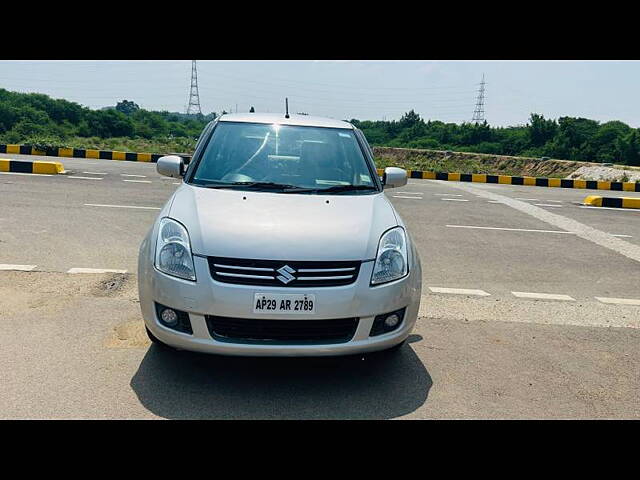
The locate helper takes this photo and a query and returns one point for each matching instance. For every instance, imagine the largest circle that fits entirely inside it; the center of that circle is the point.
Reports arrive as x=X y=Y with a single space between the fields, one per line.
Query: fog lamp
x=391 y=321
x=387 y=322
x=169 y=317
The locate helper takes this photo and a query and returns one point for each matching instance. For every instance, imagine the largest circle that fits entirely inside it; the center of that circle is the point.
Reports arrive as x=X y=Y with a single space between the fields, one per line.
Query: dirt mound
x=462 y=162
x=606 y=174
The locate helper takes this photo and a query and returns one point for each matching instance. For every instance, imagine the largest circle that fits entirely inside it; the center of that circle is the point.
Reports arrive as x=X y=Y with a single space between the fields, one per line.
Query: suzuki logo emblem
x=285 y=274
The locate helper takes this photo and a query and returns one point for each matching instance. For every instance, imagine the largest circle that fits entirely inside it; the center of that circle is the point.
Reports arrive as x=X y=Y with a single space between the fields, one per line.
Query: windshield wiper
x=262 y=185
x=286 y=188
x=335 y=188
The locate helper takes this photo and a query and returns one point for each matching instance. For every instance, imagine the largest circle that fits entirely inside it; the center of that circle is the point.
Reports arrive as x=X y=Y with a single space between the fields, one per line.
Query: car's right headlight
x=391 y=262
x=173 y=250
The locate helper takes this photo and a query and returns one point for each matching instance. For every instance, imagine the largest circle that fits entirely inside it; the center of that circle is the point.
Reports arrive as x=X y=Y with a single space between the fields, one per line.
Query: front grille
x=290 y=332
x=280 y=273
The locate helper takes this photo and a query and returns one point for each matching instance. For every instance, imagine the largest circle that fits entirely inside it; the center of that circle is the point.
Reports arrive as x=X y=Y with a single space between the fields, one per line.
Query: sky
x=366 y=90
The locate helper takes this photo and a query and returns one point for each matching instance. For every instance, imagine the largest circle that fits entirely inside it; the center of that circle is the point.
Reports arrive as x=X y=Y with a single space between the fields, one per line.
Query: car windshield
x=284 y=159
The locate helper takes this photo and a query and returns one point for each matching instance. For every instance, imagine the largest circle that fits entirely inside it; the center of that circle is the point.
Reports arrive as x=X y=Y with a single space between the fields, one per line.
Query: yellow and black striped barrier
x=612 y=202
x=515 y=180
x=84 y=153
x=22 y=166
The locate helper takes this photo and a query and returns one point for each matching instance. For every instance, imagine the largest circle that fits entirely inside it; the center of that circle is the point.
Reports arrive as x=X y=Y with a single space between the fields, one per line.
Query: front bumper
x=208 y=297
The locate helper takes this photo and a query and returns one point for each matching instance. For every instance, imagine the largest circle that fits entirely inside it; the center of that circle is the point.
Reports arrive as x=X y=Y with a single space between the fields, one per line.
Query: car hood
x=276 y=226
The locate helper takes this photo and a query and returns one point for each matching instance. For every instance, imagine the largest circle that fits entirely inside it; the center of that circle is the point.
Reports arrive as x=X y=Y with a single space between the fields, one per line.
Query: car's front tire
x=155 y=340
x=395 y=348
x=390 y=352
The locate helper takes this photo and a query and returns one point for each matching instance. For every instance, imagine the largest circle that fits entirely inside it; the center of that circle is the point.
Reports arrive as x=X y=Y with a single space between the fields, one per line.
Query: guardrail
x=85 y=153
x=524 y=180
x=428 y=175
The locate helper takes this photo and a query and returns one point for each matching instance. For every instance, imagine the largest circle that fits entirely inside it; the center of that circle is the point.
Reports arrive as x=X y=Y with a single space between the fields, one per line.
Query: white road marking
x=177 y=183
x=544 y=296
x=619 y=301
x=621 y=236
x=635 y=210
x=511 y=229
x=448 y=194
x=410 y=193
x=546 y=205
x=583 y=314
x=128 y=175
x=86 y=178
x=96 y=173
x=30 y=174
x=529 y=199
x=459 y=291
x=137 y=181
x=494 y=201
x=22 y=268
x=412 y=198
x=94 y=270
x=455 y=199
x=121 y=206
x=586 y=232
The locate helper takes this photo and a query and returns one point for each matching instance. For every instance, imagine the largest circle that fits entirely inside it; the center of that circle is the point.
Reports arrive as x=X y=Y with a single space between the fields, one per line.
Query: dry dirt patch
x=130 y=334
x=51 y=294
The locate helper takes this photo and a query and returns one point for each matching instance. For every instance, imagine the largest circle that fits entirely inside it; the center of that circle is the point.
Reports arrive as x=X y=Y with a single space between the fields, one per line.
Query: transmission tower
x=194 y=96
x=478 y=113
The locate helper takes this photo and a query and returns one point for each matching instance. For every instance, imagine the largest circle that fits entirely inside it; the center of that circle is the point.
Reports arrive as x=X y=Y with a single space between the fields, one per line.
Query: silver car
x=279 y=242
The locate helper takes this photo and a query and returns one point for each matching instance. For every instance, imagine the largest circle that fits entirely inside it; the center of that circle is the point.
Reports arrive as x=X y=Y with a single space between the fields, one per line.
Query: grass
x=430 y=164
x=409 y=159
x=467 y=163
x=168 y=145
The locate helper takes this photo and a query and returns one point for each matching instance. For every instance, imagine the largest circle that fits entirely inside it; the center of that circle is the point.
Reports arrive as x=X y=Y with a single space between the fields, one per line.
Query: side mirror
x=170 y=166
x=394 y=177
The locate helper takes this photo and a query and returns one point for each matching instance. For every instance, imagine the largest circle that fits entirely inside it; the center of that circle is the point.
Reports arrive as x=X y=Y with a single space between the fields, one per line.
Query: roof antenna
x=252 y=110
x=286 y=103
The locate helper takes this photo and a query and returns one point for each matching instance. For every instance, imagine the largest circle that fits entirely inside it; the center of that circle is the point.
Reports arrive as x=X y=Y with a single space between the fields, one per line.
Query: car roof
x=304 y=120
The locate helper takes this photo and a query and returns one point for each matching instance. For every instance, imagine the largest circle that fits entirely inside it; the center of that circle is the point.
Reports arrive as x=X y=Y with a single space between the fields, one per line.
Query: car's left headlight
x=391 y=261
x=173 y=250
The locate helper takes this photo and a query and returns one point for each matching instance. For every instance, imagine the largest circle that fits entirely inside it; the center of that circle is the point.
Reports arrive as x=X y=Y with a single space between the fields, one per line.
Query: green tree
x=127 y=107
x=628 y=148
x=541 y=130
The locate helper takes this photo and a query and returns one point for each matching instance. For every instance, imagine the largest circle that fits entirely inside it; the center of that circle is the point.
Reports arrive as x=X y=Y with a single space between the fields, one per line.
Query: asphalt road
x=74 y=346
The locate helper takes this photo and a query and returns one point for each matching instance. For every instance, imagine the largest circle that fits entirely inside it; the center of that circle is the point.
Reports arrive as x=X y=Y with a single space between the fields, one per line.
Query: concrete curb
x=85 y=153
x=25 y=166
x=612 y=202
x=532 y=181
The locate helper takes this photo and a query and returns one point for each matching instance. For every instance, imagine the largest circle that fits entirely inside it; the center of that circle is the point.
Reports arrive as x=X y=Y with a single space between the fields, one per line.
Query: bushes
x=567 y=138
x=36 y=118
x=29 y=117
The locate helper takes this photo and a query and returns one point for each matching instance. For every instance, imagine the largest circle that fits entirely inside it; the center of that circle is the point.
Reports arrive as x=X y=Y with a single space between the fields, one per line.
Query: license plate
x=295 y=303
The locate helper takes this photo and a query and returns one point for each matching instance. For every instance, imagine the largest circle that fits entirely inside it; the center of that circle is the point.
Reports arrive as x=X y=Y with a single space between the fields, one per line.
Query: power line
x=358 y=87
x=462 y=88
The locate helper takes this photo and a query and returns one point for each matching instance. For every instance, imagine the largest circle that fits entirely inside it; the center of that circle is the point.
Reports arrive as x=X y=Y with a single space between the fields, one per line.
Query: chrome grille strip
x=318 y=270
x=241 y=275
x=339 y=277
x=235 y=267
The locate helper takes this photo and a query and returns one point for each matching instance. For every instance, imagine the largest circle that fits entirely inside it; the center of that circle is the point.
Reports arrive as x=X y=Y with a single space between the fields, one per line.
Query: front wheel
x=389 y=352
x=395 y=348
x=155 y=340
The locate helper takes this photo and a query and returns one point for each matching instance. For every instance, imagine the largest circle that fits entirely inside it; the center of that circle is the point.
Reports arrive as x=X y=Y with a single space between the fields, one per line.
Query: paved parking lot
x=531 y=308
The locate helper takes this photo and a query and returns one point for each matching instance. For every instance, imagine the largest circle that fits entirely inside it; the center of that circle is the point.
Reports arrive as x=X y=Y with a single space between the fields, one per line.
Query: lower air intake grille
x=290 y=332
